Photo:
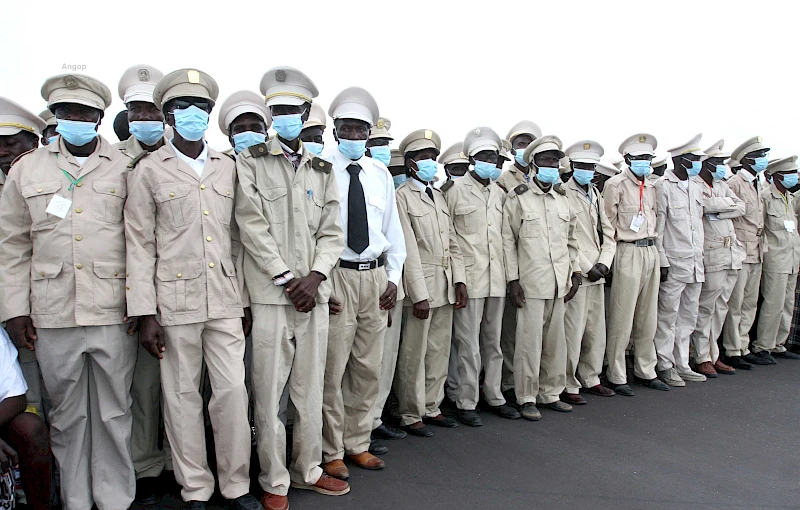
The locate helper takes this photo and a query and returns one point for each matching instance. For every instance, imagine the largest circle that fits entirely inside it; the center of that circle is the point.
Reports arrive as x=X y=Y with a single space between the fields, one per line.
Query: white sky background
x=600 y=70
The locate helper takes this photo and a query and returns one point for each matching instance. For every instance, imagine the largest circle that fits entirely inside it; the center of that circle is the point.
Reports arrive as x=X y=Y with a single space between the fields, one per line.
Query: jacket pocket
x=230 y=284
x=224 y=203
x=109 y=285
x=564 y=224
x=466 y=219
x=531 y=225
x=775 y=220
x=421 y=222
x=314 y=207
x=48 y=287
x=108 y=200
x=277 y=203
x=38 y=197
x=179 y=286
x=176 y=202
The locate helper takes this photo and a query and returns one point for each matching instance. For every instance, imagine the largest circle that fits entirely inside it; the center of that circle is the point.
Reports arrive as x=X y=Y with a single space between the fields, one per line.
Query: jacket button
x=227 y=192
x=79 y=184
x=127 y=288
x=202 y=186
x=116 y=273
x=78 y=238
x=172 y=194
x=79 y=266
x=39 y=190
x=42 y=273
x=78 y=210
x=231 y=271
x=179 y=275
x=208 y=239
x=211 y=265
x=113 y=190
x=206 y=213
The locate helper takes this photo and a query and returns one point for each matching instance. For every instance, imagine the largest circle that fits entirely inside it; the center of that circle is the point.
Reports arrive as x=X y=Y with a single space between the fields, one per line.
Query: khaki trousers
x=36 y=394
x=451 y=383
x=289 y=348
x=477 y=337
x=220 y=343
x=422 y=364
x=540 y=357
x=775 y=320
x=633 y=311
x=714 y=299
x=508 y=342
x=677 y=318
x=742 y=311
x=391 y=346
x=148 y=460
x=87 y=372
x=353 y=364
x=585 y=330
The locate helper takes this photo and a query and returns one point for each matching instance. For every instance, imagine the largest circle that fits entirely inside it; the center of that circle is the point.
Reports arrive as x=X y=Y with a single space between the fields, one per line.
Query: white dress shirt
x=12 y=383
x=195 y=164
x=385 y=232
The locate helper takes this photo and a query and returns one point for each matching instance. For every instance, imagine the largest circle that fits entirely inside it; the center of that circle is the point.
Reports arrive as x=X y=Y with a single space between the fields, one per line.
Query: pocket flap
x=180 y=270
x=113 y=188
x=43 y=188
x=46 y=269
x=429 y=271
x=469 y=260
x=465 y=209
x=530 y=216
x=171 y=191
x=108 y=269
x=564 y=216
x=272 y=193
x=228 y=268
x=223 y=190
x=417 y=213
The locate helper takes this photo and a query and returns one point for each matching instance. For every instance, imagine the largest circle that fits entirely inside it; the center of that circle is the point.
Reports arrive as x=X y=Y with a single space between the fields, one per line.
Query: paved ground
x=731 y=442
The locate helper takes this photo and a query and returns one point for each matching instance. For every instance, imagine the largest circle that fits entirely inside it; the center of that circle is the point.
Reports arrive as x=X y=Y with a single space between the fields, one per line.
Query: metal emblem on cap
x=642 y=139
x=758 y=139
x=478 y=131
x=428 y=134
x=586 y=146
x=194 y=76
x=380 y=124
x=71 y=82
x=462 y=155
x=280 y=75
x=144 y=75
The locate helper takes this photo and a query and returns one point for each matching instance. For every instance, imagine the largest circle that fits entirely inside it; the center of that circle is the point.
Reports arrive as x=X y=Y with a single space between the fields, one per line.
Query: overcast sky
x=600 y=70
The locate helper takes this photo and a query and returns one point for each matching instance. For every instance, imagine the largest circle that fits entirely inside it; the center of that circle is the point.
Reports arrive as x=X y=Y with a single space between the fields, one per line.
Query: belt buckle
x=364 y=266
x=445 y=262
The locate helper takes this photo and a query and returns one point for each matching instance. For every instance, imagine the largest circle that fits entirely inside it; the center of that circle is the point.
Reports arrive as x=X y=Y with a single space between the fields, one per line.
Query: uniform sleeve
x=140 y=244
x=609 y=248
x=396 y=255
x=237 y=253
x=511 y=224
x=413 y=276
x=572 y=242
x=456 y=257
x=661 y=221
x=764 y=237
x=330 y=237
x=728 y=206
x=16 y=249
x=611 y=206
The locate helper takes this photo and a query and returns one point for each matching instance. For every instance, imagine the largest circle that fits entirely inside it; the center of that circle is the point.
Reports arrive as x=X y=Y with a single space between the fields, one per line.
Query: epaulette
x=320 y=165
x=447 y=185
x=501 y=187
x=21 y=156
x=135 y=161
x=233 y=158
x=258 y=150
x=558 y=188
x=522 y=188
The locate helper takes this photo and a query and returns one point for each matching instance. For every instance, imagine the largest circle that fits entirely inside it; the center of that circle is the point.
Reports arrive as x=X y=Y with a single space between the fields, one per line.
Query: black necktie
x=429 y=192
x=357 y=229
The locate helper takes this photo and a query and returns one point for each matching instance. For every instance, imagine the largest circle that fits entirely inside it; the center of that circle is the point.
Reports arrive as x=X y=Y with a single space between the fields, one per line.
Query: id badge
x=59 y=206
x=637 y=222
x=789 y=225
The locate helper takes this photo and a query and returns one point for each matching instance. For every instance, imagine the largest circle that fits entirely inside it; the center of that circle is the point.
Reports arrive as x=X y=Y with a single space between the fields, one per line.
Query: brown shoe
x=336 y=469
x=572 y=398
x=707 y=369
x=366 y=460
x=274 y=502
x=601 y=391
x=327 y=485
x=722 y=368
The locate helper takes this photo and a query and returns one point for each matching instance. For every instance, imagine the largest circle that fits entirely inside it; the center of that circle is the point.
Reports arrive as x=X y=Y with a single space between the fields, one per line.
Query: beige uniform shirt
x=750 y=226
x=624 y=198
x=477 y=213
x=720 y=247
x=679 y=227
x=131 y=147
x=64 y=272
x=288 y=219
x=182 y=240
x=434 y=263
x=539 y=240
x=595 y=234
x=512 y=178
x=781 y=239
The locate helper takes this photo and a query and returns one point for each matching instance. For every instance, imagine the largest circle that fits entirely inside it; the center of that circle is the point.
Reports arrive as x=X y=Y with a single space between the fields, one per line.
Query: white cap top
x=14 y=118
x=639 y=144
x=288 y=86
x=138 y=83
x=690 y=147
x=481 y=139
x=585 y=151
x=354 y=103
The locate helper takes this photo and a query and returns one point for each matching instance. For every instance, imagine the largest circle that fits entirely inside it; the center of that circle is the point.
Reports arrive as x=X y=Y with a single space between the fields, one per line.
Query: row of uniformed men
x=174 y=283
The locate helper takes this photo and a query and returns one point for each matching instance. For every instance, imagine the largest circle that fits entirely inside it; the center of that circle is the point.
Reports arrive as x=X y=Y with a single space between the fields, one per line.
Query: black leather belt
x=362 y=266
x=642 y=243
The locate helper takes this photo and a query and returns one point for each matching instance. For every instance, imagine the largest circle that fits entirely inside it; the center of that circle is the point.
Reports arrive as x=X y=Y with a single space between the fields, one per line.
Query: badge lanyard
x=72 y=183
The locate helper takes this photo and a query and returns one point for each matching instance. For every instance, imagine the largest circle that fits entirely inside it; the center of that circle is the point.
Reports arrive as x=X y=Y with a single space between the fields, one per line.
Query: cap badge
x=71 y=82
x=380 y=124
x=478 y=131
x=758 y=139
x=144 y=75
x=194 y=76
x=428 y=134
x=642 y=139
x=586 y=146
x=280 y=75
x=462 y=155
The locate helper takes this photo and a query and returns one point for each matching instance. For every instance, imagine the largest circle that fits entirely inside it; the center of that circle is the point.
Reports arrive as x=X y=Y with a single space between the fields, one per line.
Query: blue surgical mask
x=289 y=126
x=241 y=141
x=314 y=147
x=53 y=139
x=719 y=172
x=77 y=133
x=694 y=169
x=353 y=149
x=426 y=169
x=382 y=153
x=641 y=167
x=399 y=180
x=760 y=164
x=191 y=123
x=789 y=180
x=148 y=132
x=547 y=174
x=518 y=157
x=583 y=177
x=485 y=170
x=496 y=173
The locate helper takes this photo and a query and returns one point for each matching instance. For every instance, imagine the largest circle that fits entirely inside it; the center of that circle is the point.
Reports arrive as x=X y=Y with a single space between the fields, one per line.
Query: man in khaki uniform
x=456 y=166
x=781 y=261
x=541 y=252
x=476 y=206
x=364 y=281
x=244 y=119
x=145 y=123
x=630 y=202
x=679 y=230
x=314 y=129
x=659 y=166
x=751 y=157
x=379 y=141
x=182 y=243
x=723 y=255
x=62 y=270
x=434 y=280
x=288 y=211
x=49 y=134
x=585 y=319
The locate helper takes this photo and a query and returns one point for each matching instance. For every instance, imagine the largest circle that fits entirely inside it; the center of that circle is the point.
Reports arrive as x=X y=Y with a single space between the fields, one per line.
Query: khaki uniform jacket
x=2 y=182
x=680 y=228
x=621 y=200
x=512 y=178
x=781 y=247
x=750 y=226
x=721 y=249
x=182 y=240
x=132 y=148
x=540 y=240
x=434 y=263
x=66 y=272
x=595 y=234
x=478 y=219
x=289 y=220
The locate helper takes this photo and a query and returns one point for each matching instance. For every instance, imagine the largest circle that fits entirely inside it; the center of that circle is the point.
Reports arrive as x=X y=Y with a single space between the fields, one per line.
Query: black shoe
x=147 y=491
x=653 y=384
x=386 y=432
x=739 y=363
x=786 y=355
x=511 y=396
x=246 y=502
x=441 y=421
x=195 y=505
x=419 y=432
x=506 y=411
x=766 y=357
x=755 y=359
x=469 y=418
x=621 y=389
x=376 y=448
x=561 y=407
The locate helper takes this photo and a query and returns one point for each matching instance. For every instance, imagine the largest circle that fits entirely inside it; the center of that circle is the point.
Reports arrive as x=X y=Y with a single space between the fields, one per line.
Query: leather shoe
x=510 y=395
x=653 y=384
x=559 y=406
x=506 y=411
x=622 y=389
x=366 y=460
x=707 y=369
x=761 y=358
x=469 y=417
x=739 y=362
x=386 y=432
x=786 y=355
x=418 y=429
x=336 y=469
x=441 y=421
x=573 y=399
x=326 y=485
x=246 y=502
x=600 y=391
x=274 y=502
x=722 y=368
x=195 y=505
x=529 y=412
x=146 y=491
x=376 y=448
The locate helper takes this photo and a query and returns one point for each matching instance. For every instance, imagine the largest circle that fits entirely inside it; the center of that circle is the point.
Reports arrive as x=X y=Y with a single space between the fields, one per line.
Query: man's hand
x=303 y=291
x=8 y=457
x=134 y=323
x=575 y=284
x=597 y=272
x=422 y=310
x=516 y=294
x=664 y=273
x=334 y=306
x=247 y=321
x=22 y=332
x=151 y=336
x=461 y=295
x=389 y=297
